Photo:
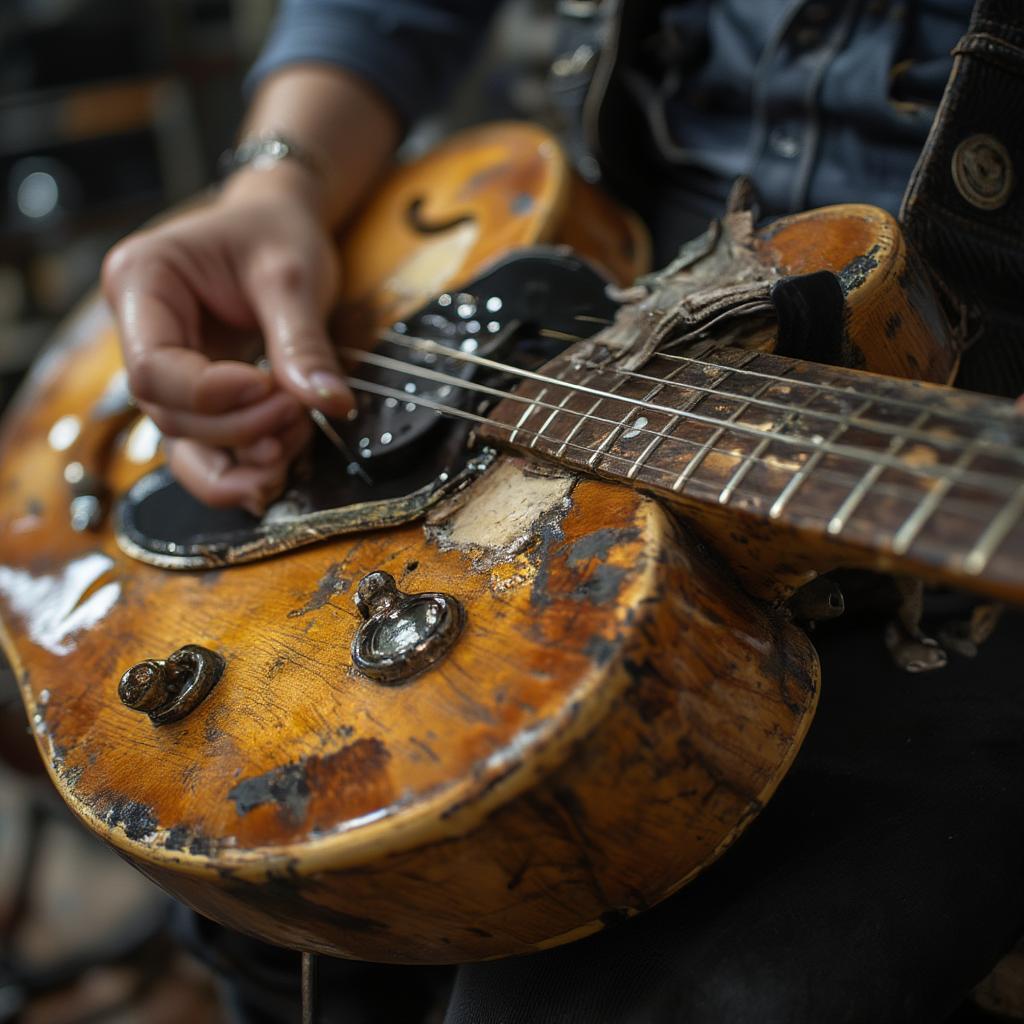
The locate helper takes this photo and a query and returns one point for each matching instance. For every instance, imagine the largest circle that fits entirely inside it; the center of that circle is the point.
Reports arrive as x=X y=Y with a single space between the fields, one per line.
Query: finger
x=183 y=379
x=228 y=384
x=215 y=479
x=236 y=429
x=162 y=367
x=159 y=313
x=157 y=316
x=267 y=451
x=290 y=443
x=176 y=377
x=296 y=437
x=300 y=352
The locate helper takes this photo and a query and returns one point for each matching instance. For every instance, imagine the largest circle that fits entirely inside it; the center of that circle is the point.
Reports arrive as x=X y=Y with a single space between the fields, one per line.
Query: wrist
x=347 y=129
x=286 y=180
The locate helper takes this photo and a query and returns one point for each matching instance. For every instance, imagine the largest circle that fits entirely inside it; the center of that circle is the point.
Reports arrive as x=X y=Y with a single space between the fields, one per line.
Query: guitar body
x=614 y=712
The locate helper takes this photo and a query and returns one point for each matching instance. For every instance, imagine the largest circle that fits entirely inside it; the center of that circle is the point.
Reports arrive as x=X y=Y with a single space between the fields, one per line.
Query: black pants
x=883 y=880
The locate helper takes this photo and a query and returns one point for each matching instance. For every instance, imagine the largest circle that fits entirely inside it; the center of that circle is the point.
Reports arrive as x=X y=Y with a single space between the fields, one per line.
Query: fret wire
x=609 y=438
x=993 y=481
x=697 y=460
x=876 y=426
x=577 y=426
x=756 y=453
x=867 y=481
x=615 y=432
x=744 y=468
x=966 y=509
x=384 y=391
x=673 y=421
x=837 y=389
x=538 y=399
x=804 y=472
x=987 y=545
x=914 y=523
x=554 y=412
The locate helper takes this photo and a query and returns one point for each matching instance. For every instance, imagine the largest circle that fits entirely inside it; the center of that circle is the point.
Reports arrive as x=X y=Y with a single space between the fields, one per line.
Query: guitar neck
x=864 y=470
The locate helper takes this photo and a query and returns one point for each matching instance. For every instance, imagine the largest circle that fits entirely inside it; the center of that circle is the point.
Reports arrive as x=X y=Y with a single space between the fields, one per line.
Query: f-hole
x=414 y=217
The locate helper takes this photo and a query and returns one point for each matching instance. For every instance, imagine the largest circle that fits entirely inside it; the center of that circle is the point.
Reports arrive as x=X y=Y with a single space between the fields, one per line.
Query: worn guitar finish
x=615 y=708
x=848 y=468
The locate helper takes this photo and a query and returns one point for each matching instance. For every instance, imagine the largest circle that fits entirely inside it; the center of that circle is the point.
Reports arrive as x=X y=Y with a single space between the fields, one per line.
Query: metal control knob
x=404 y=634
x=167 y=690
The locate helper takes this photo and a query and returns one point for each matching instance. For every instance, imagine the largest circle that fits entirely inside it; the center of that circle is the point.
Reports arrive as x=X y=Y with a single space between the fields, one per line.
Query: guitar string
x=916 y=405
x=988 y=445
x=845 y=479
x=836 y=389
x=966 y=508
x=938 y=472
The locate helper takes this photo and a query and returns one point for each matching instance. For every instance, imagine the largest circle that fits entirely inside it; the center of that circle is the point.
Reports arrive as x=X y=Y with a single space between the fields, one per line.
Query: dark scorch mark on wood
x=137 y=820
x=176 y=838
x=285 y=786
x=598 y=544
x=290 y=786
x=550 y=535
x=331 y=583
x=856 y=272
x=602 y=587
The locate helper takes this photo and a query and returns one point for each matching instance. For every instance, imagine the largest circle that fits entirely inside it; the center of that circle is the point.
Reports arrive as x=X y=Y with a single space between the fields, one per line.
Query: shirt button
x=983 y=172
x=783 y=143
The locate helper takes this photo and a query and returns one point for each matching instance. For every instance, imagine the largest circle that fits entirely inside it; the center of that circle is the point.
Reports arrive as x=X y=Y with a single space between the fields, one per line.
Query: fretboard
x=892 y=473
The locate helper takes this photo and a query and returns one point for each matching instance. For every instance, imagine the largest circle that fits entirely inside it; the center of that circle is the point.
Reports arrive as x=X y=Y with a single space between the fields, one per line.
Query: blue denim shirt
x=412 y=51
x=818 y=101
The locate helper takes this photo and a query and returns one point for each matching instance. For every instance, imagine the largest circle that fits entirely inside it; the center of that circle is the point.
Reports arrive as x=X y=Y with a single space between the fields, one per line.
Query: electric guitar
x=513 y=657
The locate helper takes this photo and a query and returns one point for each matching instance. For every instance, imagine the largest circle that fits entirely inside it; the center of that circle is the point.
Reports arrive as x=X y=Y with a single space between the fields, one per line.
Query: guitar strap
x=964 y=206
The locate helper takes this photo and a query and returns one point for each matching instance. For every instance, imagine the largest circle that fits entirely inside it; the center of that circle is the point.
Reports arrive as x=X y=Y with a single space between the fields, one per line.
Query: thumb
x=301 y=354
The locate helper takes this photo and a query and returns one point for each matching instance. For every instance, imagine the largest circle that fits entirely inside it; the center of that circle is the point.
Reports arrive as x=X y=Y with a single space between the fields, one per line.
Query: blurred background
x=108 y=112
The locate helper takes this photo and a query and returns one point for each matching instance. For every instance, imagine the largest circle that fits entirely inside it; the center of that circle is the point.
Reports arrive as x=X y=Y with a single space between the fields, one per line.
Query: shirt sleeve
x=411 y=51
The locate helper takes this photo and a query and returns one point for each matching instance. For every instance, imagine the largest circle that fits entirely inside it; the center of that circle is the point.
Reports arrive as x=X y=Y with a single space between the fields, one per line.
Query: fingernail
x=328 y=385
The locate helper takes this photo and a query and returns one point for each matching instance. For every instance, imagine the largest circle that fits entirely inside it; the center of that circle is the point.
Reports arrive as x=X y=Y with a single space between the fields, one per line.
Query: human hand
x=192 y=297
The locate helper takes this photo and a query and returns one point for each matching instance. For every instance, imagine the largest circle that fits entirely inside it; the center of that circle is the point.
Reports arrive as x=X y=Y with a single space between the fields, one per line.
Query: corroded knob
x=404 y=634
x=167 y=690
